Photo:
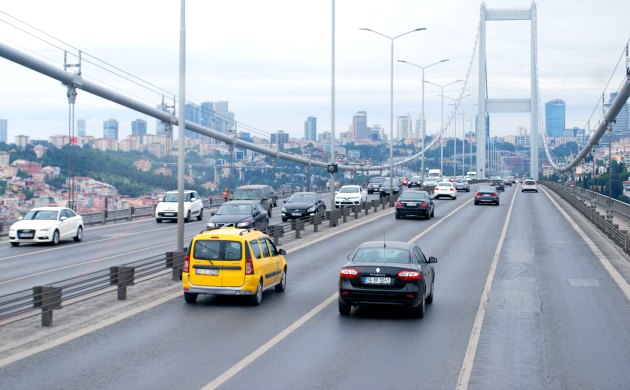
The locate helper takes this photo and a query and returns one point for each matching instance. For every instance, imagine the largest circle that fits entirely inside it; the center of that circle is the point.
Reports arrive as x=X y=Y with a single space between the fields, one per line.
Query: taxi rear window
x=217 y=250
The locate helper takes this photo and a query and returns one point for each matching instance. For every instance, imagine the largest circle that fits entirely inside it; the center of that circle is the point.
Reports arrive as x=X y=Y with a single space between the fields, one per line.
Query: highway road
x=524 y=299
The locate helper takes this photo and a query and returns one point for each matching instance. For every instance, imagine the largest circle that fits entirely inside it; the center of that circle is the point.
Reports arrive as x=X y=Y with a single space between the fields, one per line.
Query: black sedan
x=415 y=181
x=240 y=214
x=487 y=195
x=499 y=184
x=415 y=203
x=303 y=204
x=387 y=272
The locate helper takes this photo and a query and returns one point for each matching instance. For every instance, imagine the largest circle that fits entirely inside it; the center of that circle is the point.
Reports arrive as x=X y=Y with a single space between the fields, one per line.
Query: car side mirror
x=336 y=192
x=282 y=252
x=349 y=256
x=432 y=259
x=285 y=201
x=212 y=213
x=63 y=219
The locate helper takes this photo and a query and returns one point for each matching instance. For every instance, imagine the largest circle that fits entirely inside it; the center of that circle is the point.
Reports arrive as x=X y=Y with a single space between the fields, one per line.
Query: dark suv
x=385 y=187
x=498 y=184
x=374 y=185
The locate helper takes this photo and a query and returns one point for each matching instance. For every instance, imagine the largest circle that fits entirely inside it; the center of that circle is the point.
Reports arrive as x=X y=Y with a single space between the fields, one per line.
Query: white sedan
x=47 y=224
x=350 y=195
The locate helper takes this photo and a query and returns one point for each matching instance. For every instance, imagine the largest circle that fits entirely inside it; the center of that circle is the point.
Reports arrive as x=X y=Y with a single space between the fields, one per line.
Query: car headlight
x=46 y=229
x=311 y=209
x=243 y=224
x=211 y=225
x=284 y=209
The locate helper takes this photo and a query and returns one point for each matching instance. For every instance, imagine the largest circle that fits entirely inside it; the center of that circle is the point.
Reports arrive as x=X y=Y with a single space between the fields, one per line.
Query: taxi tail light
x=348 y=273
x=186 y=264
x=409 y=275
x=249 y=266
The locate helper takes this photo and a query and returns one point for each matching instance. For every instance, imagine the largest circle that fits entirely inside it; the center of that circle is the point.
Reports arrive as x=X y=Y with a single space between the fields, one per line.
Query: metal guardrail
x=580 y=199
x=44 y=300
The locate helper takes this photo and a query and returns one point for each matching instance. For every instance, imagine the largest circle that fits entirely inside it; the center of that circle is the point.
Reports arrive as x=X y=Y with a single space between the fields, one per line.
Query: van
x=230 y=261
x=261 y=192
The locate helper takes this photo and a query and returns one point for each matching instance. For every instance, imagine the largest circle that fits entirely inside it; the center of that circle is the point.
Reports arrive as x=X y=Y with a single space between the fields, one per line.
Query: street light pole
x=442 y=121
x=423 y=123
x=391 y=105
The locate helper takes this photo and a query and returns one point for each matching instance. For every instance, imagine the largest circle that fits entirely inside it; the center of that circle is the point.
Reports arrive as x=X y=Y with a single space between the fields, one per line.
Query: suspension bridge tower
x=487 y=105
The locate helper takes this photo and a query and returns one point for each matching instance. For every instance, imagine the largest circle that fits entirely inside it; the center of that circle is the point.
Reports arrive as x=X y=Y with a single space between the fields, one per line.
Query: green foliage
x=57 y=182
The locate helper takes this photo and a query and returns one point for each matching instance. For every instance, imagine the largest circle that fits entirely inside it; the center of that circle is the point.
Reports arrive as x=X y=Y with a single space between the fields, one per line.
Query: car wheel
x=187 y=219
x=497 y=203
x=280 y=287
x=284 y=219
x=433 y=213
x=190 y=297
x=55 y=238
x=158 y=220
x=476 y=203
x=397 y=216
x=79 y=235
x=269 y=212
x=15 y=244
x=200 y=216
x=418 y=311
x=256 y=299
x=344 y=308
x=428 y=215
x=429 y=299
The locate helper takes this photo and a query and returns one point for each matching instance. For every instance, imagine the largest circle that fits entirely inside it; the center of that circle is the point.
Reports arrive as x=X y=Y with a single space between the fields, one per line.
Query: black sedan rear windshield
x=412 y=195
x=382 y=255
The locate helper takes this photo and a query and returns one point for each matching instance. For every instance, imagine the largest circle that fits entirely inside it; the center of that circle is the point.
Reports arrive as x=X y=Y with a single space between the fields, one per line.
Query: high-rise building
x=193 y=114
x=3 y=130
x=279 y=138
x=403 y=128
x=139 y=129
x=310 y=129
x=555 y=114
x=207 y=113
x=110 y=129
x=418 y=129
x=359 y=126
x=621 y=127
x=81 y=128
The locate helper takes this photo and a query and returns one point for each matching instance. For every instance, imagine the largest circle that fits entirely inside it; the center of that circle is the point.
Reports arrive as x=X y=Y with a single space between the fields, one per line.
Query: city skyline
x=274 y=80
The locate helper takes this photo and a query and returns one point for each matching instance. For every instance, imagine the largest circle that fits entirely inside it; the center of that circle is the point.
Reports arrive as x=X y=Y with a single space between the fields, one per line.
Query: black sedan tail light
x=348 y=273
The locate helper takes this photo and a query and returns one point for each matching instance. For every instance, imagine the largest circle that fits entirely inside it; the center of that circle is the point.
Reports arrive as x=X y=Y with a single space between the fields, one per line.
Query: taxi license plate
x=377 y=280
x=211 y=272
x=26 y=235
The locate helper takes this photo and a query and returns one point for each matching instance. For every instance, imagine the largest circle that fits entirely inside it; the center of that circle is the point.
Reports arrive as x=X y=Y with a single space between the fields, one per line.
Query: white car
x=445 y=188
x=47 y=224
x=529 y=185
x=167 y=208
x=350 y=195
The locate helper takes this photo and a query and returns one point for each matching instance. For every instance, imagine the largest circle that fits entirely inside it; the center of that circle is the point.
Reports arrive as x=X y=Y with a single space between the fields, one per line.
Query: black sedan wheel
x=418 y=311
x=344 y=309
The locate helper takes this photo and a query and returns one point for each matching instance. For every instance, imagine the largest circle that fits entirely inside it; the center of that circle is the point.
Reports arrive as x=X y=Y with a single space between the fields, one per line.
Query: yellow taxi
x=230 y=261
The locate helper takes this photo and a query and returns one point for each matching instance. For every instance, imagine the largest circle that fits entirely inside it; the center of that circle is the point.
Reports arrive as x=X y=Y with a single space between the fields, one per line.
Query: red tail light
x=249 y=266
x=423 y=205
x=493 y=194
x=478 y=194
x=399 y=205
x=451 y=189
x=348 y=273
x=186 y=264
x=409 y=275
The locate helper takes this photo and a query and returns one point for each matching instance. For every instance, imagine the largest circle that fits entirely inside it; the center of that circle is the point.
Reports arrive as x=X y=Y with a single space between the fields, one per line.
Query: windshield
x=247 y=195
x=235 y=209
x=302 y=198
x=41 y=215
x=382 y=255
x=349 y=190
x=171 y=197
x=377 y=180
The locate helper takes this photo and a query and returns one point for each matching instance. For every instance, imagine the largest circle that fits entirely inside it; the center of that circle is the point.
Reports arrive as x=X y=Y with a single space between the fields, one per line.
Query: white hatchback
x=445 y=188
x=529 y=185
x=167 y=208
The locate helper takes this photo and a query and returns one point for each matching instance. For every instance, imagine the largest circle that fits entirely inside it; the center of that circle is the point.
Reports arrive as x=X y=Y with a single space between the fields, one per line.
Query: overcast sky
x=271 y=60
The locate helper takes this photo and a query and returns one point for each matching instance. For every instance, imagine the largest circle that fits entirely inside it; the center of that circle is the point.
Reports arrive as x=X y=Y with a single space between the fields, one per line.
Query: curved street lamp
x=391 y=104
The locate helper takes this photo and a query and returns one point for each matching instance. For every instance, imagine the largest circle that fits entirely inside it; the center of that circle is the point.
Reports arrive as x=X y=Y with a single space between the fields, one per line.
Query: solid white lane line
x=221 y=379
x=473 y=342
x=612 y=271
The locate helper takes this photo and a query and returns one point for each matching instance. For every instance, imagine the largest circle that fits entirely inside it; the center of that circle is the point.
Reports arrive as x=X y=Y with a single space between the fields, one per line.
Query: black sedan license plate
x=211 y=272
x=376 y=280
